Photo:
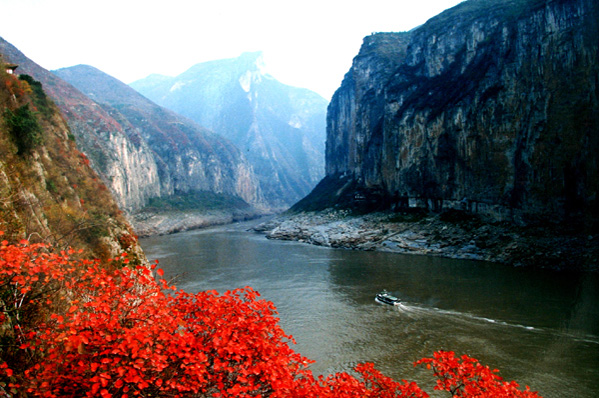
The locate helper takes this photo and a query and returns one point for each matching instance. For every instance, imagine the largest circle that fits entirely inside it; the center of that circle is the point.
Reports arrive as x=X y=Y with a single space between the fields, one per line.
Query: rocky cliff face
x=189 y=158
x=48 y=191
x=280 y=129
x=140 y=150
x=119 y=155
x=491 y=106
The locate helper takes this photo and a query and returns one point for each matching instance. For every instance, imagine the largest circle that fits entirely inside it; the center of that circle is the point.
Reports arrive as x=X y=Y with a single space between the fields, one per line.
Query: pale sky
x=307 y=43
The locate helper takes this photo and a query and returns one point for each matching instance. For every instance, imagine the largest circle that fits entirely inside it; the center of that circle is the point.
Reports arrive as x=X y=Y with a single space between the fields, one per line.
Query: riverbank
x=149 y=223
x=451 y=234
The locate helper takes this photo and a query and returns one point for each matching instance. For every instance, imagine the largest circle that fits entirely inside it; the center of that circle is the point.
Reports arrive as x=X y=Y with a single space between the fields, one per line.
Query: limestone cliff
x=117 y=153
x=491 y=106
x=190 y=157
x=280 y=129
x=140 y=150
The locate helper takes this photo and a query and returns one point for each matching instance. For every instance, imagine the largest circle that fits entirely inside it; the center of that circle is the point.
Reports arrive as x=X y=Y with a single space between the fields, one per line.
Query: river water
x=540 y=328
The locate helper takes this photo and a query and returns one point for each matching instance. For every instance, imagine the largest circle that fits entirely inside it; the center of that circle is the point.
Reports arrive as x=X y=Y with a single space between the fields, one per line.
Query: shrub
x=40 y=99
x=24 y=128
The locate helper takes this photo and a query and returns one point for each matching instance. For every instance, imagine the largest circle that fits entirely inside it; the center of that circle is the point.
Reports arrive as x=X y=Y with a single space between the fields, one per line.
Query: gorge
x=279 y=128
x=168 y=172
x=473 y=136
x=140 y=150
x=489 y=113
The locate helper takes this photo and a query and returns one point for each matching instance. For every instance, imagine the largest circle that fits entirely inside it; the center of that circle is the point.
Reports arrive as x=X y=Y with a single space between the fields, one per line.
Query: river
x=540 y=328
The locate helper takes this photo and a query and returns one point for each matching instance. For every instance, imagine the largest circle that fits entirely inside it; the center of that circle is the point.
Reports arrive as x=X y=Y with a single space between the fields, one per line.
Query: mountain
x=142 y=152
x=280 y=129
x=48 y=191
x=123 y=161
x=191 y=157
x=492 y=107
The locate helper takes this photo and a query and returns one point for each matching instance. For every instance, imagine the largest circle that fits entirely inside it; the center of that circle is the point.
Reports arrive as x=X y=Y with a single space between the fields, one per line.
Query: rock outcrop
x=280 y=129
x=452 y=234
x=492 y=107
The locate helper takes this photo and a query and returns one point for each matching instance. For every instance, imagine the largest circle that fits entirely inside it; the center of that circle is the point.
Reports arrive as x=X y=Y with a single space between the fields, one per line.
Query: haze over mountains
x=190 y=158
x=279 y=128
x=490 y=106
x=145 y=152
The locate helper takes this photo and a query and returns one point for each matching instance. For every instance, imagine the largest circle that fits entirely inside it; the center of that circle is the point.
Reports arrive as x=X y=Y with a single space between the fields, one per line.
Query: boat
x=385 y=298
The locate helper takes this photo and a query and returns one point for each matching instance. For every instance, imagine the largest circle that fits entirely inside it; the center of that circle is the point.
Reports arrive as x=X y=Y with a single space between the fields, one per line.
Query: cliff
x=492 y=106
x=141 y=151
x=191 y=158
x=280 y=129
x=48 y=191
x=124 y=163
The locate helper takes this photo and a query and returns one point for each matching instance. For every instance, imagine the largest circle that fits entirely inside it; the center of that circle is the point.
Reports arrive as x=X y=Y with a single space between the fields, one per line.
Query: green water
x=540 y=328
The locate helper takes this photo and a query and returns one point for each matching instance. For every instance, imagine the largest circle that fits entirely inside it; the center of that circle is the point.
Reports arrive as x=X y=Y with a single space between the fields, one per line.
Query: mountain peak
x=255 y=70
x=254 y=61
x=279 y=128
x=252 y=56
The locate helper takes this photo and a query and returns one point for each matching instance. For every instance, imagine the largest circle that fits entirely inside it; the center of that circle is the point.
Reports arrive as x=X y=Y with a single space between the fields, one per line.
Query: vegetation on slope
x=106 y=328
x=48 y=192
x=197 y=200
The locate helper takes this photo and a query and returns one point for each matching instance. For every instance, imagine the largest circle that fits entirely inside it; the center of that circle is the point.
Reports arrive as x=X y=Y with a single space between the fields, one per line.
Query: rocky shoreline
x=148 y=223
x=454 y=235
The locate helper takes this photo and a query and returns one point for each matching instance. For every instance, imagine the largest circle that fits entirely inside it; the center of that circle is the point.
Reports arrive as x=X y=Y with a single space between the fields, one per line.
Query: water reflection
x=540 y=328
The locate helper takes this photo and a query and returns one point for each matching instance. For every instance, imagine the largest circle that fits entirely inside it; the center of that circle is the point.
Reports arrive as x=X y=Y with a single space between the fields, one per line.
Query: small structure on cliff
x=10 y=68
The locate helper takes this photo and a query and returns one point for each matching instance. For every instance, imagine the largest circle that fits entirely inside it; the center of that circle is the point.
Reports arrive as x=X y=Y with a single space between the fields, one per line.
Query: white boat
x=386 y=298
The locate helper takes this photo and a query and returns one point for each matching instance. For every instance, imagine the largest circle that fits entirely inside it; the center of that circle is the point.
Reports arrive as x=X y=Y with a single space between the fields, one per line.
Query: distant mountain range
x=280 y=129
x=189 y=157
x=232 y=131
x=140 y=150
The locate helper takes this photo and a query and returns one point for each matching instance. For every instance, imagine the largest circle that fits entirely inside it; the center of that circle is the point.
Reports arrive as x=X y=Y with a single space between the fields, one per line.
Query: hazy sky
x=307 y=43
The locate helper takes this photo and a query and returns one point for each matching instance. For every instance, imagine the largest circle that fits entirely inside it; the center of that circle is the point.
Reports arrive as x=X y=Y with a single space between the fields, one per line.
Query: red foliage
x=84 y=159
x=124 y=333
x=127 y=240
x=466 y=377
x=15 y=86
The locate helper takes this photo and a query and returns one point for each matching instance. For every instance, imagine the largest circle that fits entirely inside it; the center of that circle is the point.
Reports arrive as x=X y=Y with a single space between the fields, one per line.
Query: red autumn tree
x=466 y=377
x=78 y=328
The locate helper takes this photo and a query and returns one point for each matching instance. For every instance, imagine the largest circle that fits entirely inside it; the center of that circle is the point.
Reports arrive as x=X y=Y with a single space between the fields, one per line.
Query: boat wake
x=419 y=311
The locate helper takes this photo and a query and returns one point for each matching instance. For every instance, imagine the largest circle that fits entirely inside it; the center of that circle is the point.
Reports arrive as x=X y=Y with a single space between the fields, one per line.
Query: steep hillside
x=117 y=153
x=492 y=106
x=141 y=151
x=194 y=158
x=280 y=129
x=48 y=191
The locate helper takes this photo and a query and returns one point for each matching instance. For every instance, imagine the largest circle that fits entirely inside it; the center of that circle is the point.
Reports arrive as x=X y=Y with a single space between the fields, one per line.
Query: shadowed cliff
x=492 y=107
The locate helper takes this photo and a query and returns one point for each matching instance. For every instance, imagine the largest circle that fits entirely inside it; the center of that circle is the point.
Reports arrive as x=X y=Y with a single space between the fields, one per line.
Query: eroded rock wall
x=490 y=106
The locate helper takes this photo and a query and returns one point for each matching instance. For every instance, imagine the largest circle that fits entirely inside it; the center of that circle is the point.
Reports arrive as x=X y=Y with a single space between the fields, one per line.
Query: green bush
x=40 y=99
x=197 y=200
x=24 y=128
